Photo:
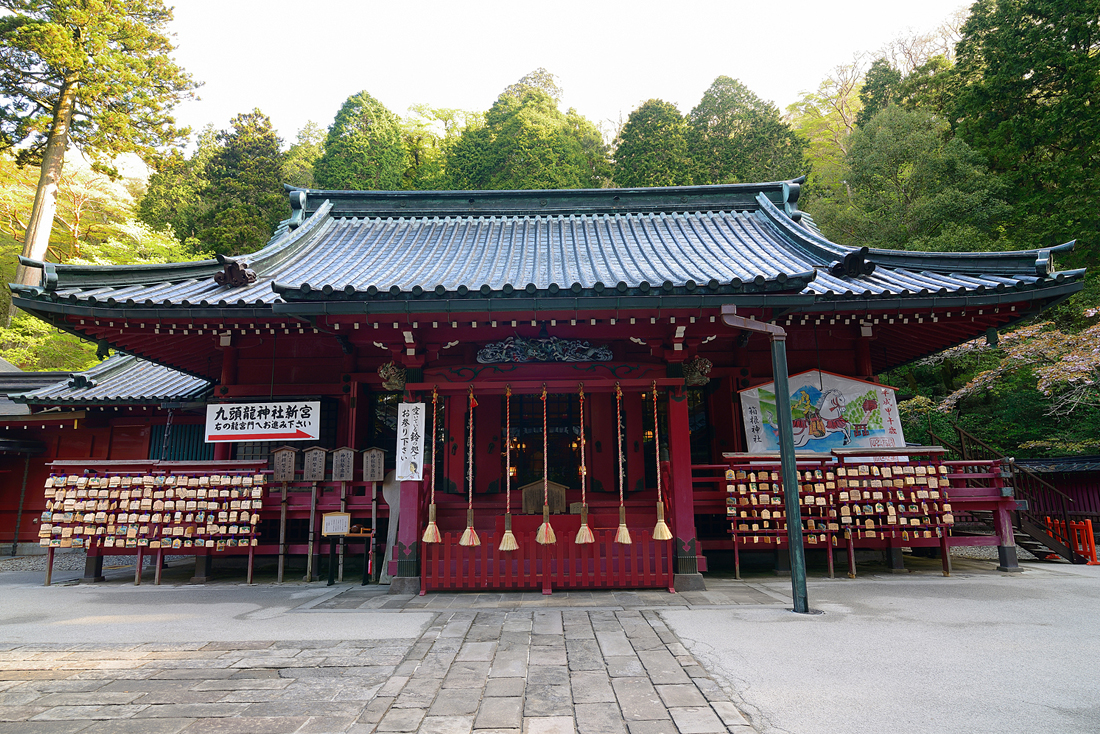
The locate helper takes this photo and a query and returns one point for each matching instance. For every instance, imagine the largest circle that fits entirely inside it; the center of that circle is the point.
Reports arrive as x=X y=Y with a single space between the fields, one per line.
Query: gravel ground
x=70 y=562
x=988 y=552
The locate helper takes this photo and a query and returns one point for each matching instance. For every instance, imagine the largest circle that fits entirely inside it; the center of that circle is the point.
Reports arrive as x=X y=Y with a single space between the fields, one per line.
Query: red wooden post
x=140 y=560
x=688 y=577
x=49 y=566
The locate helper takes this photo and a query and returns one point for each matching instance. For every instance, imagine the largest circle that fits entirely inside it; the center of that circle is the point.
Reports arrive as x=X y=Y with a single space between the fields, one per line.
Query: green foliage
x=363 y=150
x=738 y=137
x=1029 y=80
x=826 y=118
x=915 y=187
x=243 y=184
x=135 y=243
x=113 y=56
x=173 y=194
x=652 y=149
x=526 y=142
x=428 y=133
x=880 y=89
x=33 y=345
x=303 y=155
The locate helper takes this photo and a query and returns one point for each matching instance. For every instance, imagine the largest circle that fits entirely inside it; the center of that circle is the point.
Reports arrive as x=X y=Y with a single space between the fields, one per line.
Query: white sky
x=299 y=61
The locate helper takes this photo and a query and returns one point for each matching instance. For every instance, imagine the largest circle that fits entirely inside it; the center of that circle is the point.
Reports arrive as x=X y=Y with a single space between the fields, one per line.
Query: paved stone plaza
x=589 y=662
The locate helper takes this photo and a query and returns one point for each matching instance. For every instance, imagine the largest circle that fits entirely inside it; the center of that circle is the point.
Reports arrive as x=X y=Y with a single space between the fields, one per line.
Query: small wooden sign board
x=335 y=523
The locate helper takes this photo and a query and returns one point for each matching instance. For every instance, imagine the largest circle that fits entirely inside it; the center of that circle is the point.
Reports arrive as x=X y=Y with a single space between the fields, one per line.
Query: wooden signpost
x=313 y=471
x=283 y=460
x=343 y=471
x=374 y=471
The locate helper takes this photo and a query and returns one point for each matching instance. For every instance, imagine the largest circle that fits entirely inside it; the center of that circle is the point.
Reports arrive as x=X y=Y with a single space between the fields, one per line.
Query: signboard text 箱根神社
x=287 y=421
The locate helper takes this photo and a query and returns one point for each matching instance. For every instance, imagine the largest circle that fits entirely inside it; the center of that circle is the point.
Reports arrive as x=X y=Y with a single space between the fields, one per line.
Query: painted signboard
x=828 y=412
x=291 y=421
x=410 y=442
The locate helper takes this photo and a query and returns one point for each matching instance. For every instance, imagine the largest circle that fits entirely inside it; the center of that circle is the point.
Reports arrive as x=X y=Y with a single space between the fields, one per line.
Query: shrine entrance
x=563 y=429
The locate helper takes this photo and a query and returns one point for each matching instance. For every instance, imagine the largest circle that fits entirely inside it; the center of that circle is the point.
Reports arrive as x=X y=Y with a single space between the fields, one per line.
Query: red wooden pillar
x=601 y=442
x=490 y=444
x=687 y=576
x=224 y=451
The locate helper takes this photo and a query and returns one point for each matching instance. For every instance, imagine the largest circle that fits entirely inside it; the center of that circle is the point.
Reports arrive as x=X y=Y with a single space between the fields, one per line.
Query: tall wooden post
x=687 y=577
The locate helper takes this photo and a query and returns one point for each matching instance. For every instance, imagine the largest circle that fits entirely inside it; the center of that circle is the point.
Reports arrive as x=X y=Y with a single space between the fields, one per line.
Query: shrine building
x=572 y=343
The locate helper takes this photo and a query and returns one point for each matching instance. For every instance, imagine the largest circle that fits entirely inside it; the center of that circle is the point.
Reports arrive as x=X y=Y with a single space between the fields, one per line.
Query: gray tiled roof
x=427 y=245
x=120 y=379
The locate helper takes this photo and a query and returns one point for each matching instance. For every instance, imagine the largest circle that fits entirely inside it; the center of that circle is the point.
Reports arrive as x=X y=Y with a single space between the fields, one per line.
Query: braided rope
x=584 y=468
x=656 y=441
x=470 y=450
x=619 y=427
x=545 y=458
x=508 y=451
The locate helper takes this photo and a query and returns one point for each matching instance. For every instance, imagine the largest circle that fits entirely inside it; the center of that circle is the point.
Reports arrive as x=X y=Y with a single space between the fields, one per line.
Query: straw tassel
x=584 y=533
x=431 y=533
x=623 y=536
x=660 y=530
x=508 y=541
x=469 y=536
x=546 y=535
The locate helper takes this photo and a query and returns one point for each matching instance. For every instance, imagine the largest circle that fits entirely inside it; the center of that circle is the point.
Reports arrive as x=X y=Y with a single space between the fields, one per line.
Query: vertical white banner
x=410 y=442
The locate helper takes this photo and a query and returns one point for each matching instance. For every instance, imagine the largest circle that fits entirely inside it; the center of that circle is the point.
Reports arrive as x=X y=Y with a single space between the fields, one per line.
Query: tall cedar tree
x=92 y=73
x=880 y=89
x=363 y=150
x=173 y=194
x=1029 y=85
x=653 y=147
x=737 y=137
x=526 y=142
x=244 y=180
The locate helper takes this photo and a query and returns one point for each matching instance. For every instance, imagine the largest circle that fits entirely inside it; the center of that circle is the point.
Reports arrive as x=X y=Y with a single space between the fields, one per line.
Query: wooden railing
x=1042 y=501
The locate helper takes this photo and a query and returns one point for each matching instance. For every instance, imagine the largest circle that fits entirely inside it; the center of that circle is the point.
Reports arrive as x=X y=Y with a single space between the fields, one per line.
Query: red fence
x=605 y=564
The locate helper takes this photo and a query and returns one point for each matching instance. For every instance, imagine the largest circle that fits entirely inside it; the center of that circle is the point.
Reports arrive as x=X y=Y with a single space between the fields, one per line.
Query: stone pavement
x=490 y=663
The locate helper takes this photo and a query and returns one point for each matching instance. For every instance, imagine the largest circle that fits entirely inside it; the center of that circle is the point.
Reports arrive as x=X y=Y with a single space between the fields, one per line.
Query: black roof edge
x=106 y=276
x=733 y=197
x=307 y=292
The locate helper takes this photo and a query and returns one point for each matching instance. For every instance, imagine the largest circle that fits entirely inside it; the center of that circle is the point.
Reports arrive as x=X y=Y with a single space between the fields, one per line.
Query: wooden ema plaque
x=313 y=466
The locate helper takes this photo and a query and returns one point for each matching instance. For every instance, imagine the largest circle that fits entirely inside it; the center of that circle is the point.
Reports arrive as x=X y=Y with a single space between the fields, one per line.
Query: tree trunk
x=37 y=238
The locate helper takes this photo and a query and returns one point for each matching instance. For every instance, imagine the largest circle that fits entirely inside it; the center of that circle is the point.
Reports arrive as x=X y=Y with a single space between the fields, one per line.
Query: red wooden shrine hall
x=364 y=300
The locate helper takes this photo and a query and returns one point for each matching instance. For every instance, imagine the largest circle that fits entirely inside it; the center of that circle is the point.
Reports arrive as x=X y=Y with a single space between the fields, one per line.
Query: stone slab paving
x=593 y=663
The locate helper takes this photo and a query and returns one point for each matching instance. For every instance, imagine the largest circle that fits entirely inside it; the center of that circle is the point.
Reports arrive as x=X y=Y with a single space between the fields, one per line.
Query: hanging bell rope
x=584 y=533
x=660 y=530
x=469 y=536
x=431 y=533
x=508 y=540
x=623 y=535
x=545 y=535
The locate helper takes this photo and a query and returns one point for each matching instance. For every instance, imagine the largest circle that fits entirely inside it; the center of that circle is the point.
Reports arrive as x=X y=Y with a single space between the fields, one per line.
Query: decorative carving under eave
x=235 y=274
x=393 y=376
x=550 y=349
x=697 y=371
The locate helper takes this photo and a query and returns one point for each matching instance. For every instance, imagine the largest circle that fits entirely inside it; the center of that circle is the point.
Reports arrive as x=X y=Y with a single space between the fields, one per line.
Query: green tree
x=363 y=150
x=244 y=184
x=303 y=155
x=914 y=186
x=90 y=73
x=1029 y=83
x=526 y=142
x=652 y=149
x=736 y=137
x=825 y=118
x=880 y=89
x=32 y=344
x=428 y=133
